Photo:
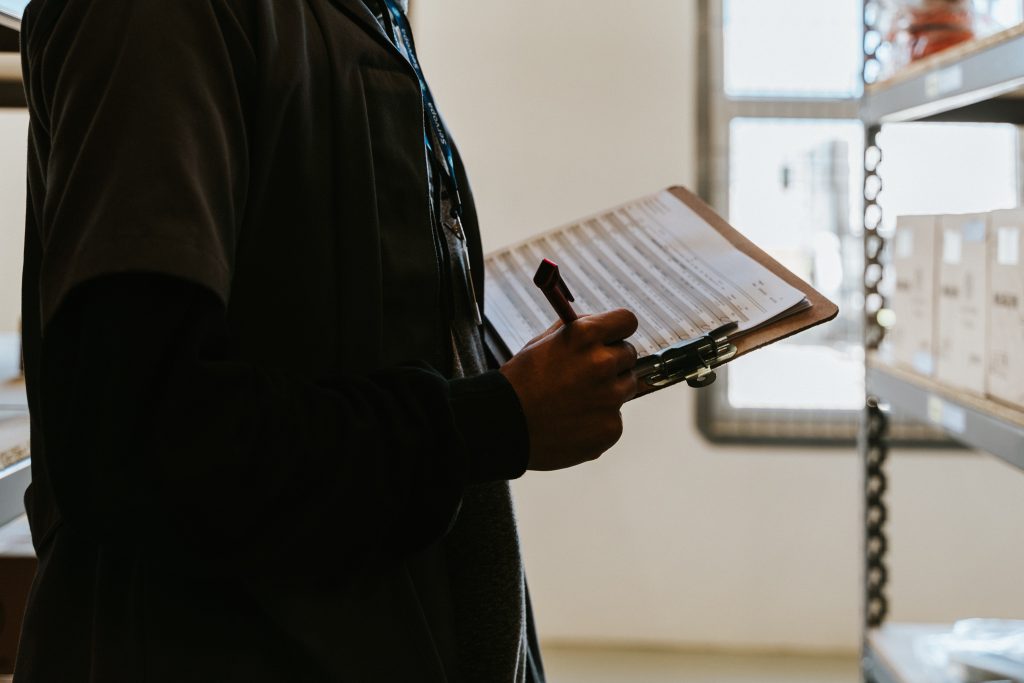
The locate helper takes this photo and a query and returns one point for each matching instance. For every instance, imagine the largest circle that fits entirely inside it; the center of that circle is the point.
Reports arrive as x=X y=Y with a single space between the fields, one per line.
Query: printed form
x=654 y=256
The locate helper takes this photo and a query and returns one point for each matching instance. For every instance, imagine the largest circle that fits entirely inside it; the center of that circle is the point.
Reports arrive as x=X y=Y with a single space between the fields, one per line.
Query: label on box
x=924 y=362
x=952 y=247
x=974 y=231
x=951 y=418
x=1008 y=246
x=944 y=82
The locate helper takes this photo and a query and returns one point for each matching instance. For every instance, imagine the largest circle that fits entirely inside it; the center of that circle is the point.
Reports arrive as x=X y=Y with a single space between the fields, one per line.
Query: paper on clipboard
x=668 y=258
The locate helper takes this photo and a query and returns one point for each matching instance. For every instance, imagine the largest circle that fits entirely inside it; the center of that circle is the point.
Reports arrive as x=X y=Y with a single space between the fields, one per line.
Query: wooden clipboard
x=821 y=310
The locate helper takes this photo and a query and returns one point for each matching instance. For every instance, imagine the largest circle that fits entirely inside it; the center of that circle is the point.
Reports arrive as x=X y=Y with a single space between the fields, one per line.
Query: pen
x=553 y=286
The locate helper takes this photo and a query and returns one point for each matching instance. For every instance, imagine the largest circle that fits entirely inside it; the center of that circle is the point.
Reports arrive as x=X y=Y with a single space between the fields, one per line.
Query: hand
x=572 y=381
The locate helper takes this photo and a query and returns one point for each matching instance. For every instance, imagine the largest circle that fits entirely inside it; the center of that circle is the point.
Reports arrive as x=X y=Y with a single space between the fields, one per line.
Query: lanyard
x=447 y=155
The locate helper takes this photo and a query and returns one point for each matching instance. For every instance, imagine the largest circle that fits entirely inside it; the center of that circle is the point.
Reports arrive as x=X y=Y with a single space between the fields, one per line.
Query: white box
x=914 y=259
x=963 y=299
x=1006 y=307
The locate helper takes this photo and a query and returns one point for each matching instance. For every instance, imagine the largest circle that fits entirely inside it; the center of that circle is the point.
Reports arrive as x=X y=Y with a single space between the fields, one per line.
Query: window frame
x=717 y=420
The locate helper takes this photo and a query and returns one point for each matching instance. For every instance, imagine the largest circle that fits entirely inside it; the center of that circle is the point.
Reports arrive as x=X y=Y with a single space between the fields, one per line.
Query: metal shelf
x=978 y=81
x=971 y=420
x=10 y=16
x=15 y=469
x=14 y=479
x=889 y=655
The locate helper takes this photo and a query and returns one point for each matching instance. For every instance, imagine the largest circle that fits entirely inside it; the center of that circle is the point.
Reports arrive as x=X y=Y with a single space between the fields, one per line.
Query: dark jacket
x=262 y=161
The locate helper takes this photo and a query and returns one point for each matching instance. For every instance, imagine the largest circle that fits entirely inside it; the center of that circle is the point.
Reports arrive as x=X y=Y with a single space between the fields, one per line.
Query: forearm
x=152 y=421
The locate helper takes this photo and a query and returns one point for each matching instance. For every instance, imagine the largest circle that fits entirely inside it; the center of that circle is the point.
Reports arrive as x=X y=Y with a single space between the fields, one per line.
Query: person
x=268 y=444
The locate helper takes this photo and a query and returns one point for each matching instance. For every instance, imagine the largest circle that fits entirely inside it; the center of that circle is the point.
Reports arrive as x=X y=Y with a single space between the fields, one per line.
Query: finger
x=615 y=391
x=612 y=432
x=611 y=326
x=625 y=356
x=555 y=327
x=626 y=387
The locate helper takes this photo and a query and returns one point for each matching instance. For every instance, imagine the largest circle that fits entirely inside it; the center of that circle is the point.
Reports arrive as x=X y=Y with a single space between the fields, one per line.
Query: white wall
x=565 y=108
x=562 y=108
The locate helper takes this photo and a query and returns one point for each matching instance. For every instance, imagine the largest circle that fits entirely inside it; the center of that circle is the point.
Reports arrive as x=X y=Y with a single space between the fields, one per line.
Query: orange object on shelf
x=936 y=25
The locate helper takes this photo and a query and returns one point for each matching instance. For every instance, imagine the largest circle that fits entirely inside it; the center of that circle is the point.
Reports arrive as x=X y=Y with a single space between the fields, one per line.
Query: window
x=800 y=48
x=784 y=161
x=792 y=190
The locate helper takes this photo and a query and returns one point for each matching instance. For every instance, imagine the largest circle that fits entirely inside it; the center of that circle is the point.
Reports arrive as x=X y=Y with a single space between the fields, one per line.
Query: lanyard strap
x=440 y=132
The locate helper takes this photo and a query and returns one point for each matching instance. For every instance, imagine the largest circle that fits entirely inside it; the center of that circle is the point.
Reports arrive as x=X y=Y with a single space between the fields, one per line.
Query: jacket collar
x=358 y=11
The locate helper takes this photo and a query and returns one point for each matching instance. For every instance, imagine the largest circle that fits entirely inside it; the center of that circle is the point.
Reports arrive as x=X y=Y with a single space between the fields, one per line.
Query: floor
x=587 y=665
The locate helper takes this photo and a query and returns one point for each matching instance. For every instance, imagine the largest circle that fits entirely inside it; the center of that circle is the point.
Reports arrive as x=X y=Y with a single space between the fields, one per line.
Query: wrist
x=492 y=426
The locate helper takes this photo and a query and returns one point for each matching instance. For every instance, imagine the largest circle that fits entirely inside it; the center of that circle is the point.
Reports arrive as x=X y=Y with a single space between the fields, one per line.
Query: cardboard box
x=963 y=302
x=1006 y=307
x=914 y=259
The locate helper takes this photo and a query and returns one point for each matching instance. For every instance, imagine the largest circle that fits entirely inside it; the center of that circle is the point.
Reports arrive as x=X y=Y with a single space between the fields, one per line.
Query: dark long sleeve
x=243 y=466
x=155 y=429
x=158 y=433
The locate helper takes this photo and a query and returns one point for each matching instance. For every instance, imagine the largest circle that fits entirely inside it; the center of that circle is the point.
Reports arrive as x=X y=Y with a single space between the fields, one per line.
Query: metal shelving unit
x=15 y=470
x=8 y=20
x=976 y=422
x=12 y=92
x=890 y=656
x=980 y=81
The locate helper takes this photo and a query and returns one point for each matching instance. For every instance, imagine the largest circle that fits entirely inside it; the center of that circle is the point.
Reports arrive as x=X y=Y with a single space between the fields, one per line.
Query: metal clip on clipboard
x=693 y=360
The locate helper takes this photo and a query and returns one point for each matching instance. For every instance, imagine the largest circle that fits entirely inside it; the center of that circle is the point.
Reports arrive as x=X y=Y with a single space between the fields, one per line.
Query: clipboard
x=694 y=360
x=820 y=311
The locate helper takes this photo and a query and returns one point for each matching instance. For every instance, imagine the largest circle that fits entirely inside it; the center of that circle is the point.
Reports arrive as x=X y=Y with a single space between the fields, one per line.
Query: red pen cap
x=548 y=278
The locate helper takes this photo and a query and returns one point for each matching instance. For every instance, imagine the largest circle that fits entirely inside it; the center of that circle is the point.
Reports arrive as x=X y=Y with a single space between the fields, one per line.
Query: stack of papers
x=655 y=256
